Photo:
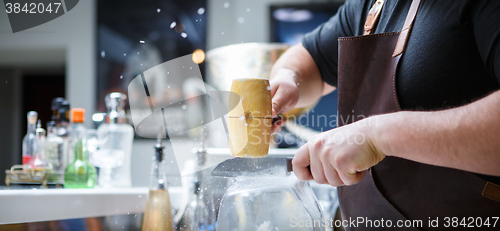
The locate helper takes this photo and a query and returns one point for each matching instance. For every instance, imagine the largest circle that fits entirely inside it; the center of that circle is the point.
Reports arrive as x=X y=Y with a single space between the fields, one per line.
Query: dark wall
x=38 y=92
x=23 y=90
x=9 y=120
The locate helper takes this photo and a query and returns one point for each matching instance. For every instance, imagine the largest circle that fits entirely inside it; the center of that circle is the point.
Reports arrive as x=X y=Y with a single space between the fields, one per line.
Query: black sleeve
x=322 y=42
x=485 y=17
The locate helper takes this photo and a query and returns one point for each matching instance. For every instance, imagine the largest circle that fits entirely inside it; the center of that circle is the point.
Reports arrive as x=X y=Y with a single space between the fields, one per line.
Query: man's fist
x=339 y=156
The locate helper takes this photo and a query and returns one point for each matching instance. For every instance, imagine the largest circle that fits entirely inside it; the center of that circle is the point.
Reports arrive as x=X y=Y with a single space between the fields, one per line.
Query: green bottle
x=80 y=173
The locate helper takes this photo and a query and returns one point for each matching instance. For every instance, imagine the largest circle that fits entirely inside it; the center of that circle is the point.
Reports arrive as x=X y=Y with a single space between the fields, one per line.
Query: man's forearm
x=297 y=64
x=466 y=138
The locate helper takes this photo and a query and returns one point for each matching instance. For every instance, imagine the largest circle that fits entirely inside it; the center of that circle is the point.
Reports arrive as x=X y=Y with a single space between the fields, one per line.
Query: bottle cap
x=115 y=99
x=77 y=115
x=40 y=132
x=115 y=102
x=56 y=102
x=159 y=147
x=32 y=117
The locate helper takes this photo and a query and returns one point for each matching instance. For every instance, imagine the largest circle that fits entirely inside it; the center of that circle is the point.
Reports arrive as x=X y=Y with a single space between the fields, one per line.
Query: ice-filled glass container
x=269 y=204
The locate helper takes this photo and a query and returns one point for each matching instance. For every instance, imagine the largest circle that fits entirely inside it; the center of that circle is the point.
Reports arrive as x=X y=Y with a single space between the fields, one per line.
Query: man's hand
x=338 y=157
x=295 y=82
x=285 y=94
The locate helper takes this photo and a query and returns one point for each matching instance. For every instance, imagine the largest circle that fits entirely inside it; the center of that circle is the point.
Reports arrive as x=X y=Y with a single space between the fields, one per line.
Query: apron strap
x=373 y=16
x=405 y=33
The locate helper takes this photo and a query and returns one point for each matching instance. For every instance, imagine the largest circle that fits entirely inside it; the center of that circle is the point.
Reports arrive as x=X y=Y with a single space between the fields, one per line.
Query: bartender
x=419 y=108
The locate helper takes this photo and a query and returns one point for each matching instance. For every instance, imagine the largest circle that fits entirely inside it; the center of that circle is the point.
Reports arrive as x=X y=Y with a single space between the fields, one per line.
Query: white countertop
x=33 y=205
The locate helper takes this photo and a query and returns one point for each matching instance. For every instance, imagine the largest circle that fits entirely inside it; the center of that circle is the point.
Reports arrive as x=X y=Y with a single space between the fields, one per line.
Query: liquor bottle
x=29 y=140
x=115 y=145
x=158 y=214
x=63 y=131
x=54 y=148
x=196 y=214
x=80 y=173
x=54 y=107
x=38 y=162
x=63 y=114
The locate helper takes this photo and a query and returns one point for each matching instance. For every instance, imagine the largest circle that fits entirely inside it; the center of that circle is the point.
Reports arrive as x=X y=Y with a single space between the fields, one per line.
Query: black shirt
x=452 y=56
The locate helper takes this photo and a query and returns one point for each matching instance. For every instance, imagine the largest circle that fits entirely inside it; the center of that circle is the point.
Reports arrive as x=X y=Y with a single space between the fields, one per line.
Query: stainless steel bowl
x=246 y=60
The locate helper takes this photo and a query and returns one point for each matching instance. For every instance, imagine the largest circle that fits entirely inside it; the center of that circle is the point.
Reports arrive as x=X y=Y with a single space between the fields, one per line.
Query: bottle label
x=26 y=159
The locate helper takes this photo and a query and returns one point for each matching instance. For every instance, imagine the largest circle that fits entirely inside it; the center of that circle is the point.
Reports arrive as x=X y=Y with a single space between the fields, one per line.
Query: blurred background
x=101 y=45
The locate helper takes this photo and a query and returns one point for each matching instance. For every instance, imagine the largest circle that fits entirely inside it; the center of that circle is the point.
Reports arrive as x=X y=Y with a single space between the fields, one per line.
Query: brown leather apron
x=399 y=190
